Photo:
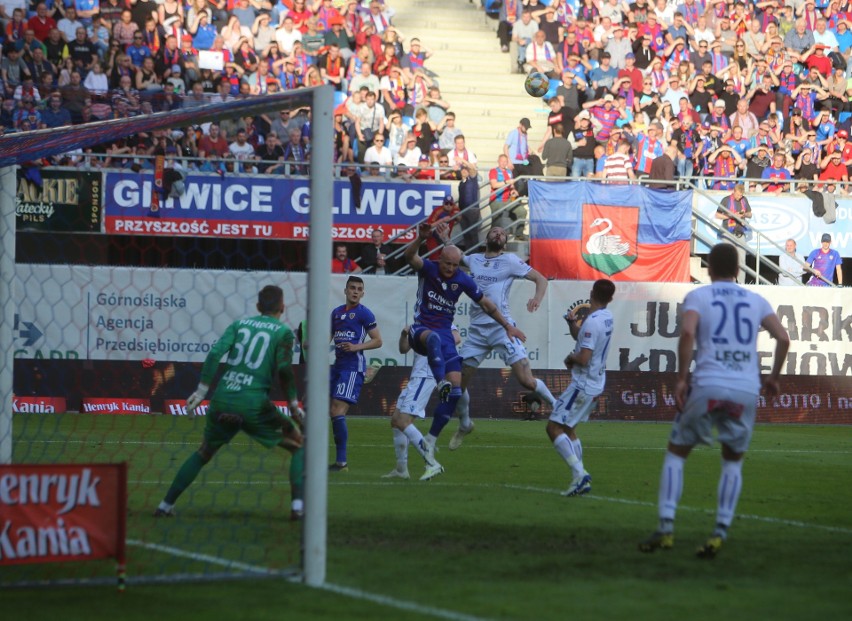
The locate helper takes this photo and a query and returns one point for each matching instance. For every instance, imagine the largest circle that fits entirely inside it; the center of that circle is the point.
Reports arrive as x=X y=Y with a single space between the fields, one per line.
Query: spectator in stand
x=41 y=23
x=82 y=52
x=55 y=115
x=605 y=115
x=824 y=263
x=69 y=24
x=124 y=29
x=369 y=123
x=470 y=216
x=409 y=153
x=619 y=165
x=13 y=69
x=503 y=192
x=510 y=11
x=460 y=155
x=734 y=212
x=540 y=56
x=379 y=154
x=241 y=148
x=759 y=159
x=213 y=144
x=648 y=147
x=447 y=131
x=75 y=97
x=341 y=263
x=832 y=168
x=374 y=255
x=557 y=153
x=296 y=154
x=27 y=44
x=777 y=172
x=726 y=162
x=790 y=263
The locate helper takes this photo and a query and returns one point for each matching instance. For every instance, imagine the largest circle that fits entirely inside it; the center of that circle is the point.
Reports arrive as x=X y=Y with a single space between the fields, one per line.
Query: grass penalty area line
x=204 y=558
x=346 y=591
x=400 y=604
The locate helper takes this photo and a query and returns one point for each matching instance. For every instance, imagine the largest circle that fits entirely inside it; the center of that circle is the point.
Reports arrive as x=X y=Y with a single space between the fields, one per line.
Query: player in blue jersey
x=439 y=287
x=587 y=364
x=351 y=324
x=718 y=329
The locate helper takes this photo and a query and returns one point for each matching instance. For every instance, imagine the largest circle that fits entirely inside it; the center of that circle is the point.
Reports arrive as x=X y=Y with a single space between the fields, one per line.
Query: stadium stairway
x=475 y=77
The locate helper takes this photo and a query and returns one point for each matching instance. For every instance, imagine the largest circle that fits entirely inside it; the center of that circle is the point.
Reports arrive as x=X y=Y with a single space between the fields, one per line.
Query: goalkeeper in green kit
x=257 y=349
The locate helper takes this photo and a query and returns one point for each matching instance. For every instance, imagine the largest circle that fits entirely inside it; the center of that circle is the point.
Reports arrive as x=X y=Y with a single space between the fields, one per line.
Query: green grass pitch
x=491 y=538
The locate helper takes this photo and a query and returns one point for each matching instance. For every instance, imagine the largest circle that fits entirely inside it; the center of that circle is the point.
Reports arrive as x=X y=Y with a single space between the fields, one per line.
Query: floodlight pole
x=319 y=279
x=8 y=192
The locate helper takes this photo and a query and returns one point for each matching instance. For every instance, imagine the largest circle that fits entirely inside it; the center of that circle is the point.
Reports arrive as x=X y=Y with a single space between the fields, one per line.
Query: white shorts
x=481 y=341
x=573 y=407
x=731 y=412
x=415 y=396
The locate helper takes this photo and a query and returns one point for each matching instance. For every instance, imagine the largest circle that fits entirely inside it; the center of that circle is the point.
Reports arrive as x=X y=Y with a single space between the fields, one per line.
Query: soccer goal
x=102 y=342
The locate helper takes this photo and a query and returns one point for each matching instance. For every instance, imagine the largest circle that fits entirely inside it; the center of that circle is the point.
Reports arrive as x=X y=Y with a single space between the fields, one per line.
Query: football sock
x=297 y=475
x=730 y=484
x=578 y=448
x=413 y=436
x=542 y=391
x=435 y=356
x=341 y=437
x=444 y=412
x=400 y=445
x=184 y=477
x=563 y=446
x=671 y=486
x=463 y=410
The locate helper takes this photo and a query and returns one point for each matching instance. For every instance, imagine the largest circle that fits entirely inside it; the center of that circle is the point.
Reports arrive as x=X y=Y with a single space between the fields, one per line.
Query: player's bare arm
x=772 y=324
x=540 y=281
x=491 y=309
x=685 y=349
x=580 y=358
x=411 y=257
x=374 y=343
x=404 y=345
x=573 y=324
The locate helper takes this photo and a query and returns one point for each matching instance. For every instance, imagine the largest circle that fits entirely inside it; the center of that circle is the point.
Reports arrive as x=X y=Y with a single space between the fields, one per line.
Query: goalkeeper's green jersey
x=257 y=349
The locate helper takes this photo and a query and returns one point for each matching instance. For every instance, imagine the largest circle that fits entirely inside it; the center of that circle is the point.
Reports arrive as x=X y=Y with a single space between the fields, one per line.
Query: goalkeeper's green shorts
x=253 y=414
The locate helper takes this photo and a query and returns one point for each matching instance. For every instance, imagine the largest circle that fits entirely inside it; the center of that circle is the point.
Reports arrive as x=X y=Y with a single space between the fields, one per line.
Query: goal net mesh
x=109 y=333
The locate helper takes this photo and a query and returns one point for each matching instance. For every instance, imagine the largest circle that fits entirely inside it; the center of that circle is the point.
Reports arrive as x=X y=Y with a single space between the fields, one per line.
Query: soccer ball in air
x=537 y=84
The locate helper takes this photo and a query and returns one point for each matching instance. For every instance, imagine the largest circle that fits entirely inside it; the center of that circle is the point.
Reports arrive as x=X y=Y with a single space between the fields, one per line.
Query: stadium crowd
x=87 y=60
x=719 y=89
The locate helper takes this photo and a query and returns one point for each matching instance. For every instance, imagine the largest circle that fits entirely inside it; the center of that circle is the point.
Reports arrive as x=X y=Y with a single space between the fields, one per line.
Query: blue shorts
x=452 y=360
x=346 y=384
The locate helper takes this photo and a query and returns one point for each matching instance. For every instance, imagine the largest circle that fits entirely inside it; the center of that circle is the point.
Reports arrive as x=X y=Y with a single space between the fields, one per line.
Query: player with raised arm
x=439 y=287
x=258 y=348
x=351 y=324
x=721 y=320
x=494 y=271
x=587 y=364
x=411 y=404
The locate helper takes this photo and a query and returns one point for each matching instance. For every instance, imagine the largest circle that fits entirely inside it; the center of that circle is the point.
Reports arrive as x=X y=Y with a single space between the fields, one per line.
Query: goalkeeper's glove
x=195 y=399
x=296 y=412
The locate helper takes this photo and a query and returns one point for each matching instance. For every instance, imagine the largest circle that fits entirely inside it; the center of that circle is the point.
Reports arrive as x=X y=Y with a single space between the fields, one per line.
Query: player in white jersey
x=587 y=364
x=495 y=271
x=411 y=404
x=721 y=320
